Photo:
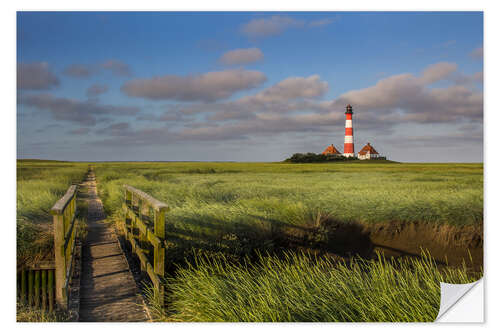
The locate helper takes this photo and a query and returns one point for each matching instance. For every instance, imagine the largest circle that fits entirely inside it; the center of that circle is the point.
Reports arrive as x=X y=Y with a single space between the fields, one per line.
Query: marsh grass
x=27 y=313
x=300 y=287
x=39 y=186
x=367 y=193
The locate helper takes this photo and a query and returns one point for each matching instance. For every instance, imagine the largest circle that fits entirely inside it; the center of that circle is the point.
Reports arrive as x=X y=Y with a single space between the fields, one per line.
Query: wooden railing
x=65 y=228
x=144 y=229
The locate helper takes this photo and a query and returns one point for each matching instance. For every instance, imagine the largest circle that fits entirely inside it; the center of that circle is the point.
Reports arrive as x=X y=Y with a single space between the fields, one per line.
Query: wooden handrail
x=156 y=204
x=61 y=204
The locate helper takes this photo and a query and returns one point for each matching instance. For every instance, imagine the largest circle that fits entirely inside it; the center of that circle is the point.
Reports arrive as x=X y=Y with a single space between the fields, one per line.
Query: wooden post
x=127 y=224
x=60 y=261
x=159 y=252
x=44 y=289
x=37 y=288
x=23 y=286
x=128 y=198
x=50 y=289
x=159 y=231
x=142 y=239
x=30 y=287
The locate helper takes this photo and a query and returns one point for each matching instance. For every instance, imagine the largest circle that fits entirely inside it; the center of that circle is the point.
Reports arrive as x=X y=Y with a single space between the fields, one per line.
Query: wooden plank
x=61 y=204
x=154 y=278
x=156 y=204
x=37 y=289
x=44 y=289
x=142 y=258
x=43 y=265
x=50 y=288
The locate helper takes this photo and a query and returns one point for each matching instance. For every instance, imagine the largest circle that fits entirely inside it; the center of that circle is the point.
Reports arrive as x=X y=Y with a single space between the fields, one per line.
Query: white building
x=368 y=153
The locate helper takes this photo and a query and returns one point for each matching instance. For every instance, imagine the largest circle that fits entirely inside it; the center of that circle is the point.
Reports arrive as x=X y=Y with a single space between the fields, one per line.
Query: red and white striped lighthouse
x=348 y=139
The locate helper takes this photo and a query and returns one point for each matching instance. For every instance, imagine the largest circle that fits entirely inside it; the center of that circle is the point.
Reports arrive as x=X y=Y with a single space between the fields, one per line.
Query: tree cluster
x=317 y=158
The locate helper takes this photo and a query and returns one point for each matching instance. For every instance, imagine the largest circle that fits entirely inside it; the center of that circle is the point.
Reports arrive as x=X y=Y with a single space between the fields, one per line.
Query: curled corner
x=451 y=294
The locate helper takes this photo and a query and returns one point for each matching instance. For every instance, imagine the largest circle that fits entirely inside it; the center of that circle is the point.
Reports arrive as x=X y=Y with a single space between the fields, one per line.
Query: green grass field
x=39 y=185
x=230 y=223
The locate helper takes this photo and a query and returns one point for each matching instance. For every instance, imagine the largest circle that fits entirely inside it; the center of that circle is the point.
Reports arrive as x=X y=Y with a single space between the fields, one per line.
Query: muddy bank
x=448 y=245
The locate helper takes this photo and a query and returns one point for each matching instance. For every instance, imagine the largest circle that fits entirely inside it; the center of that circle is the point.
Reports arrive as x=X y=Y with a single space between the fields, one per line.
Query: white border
x=492 y=176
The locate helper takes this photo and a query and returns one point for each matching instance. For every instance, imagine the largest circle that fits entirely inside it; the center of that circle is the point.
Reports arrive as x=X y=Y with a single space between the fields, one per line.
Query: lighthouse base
x=348 y=154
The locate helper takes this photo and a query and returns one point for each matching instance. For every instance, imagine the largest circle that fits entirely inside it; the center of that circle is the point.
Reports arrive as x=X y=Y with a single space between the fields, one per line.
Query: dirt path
x=108 y=291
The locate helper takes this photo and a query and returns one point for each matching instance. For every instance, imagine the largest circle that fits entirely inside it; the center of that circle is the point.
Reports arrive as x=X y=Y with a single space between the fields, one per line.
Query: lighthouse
x=348 y=139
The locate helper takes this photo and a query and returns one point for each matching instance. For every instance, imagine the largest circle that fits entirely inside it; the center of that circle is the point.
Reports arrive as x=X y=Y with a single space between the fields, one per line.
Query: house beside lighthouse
x=331 y=150
x=368 y=153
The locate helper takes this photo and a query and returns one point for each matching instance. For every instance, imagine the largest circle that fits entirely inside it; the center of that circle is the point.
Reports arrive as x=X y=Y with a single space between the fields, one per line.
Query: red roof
x=368 y=149
x=331 y=150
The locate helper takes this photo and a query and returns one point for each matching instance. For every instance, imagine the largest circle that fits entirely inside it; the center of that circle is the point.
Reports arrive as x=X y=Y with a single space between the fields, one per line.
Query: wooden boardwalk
x=108 y=291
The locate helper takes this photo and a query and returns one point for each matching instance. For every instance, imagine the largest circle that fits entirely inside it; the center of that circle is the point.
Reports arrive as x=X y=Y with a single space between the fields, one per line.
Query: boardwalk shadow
x=257 y=235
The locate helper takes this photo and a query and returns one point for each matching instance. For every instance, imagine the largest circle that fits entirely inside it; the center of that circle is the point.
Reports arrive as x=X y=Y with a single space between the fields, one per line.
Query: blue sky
x=248 y=86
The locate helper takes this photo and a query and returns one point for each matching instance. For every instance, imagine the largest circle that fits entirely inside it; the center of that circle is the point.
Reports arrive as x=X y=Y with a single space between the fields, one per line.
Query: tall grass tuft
x=299 y=287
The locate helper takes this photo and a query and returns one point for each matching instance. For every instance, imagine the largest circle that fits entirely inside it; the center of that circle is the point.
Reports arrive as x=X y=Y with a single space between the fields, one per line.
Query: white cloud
x=323 y=22
x=72 y=110
x=96 y=90
x=437 y=72
x=35 y=76
x=477 y=53
x=241 y=56
x=79 y=70
x=270 y=26
x=117 y=67
x=409 y=98
x=290 y=89
x=207 y=87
